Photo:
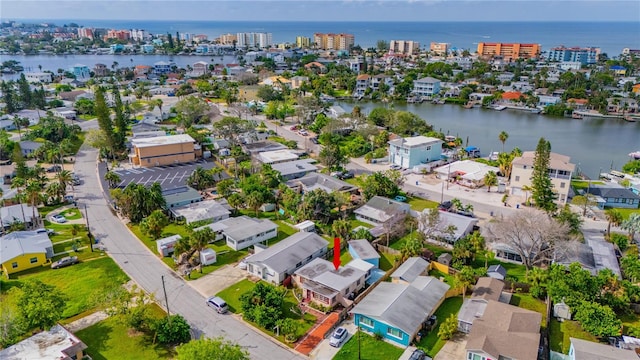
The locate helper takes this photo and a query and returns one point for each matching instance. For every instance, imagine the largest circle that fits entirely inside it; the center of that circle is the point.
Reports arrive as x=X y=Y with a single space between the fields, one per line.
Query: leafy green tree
x=332 y=156
x=153 y=224
x=254 y=200
x=192 y=110
x=201 y=179
x=40 y=305
x=24 y=90
x=406 y=123
x=104 y=120
x=137 y=201
x=225 y=187
x=448 y=328
x=231 y=128
x=378 y=184
x=632 y=225
x=537 y=278
x=342 y=229
x=598 y=320
x=200 y=238
x=463 y=252
x=621 y=241
x=316 y=205
x=211 y=349
x=9 y=97
x=172 y=330
x=268 y=93
x=542 y=192
x=84 y=106
x=289 y=328
x=570 y=219
x=630 y=265
x=464 y=279
x=632 y=167
x=263 y=304
x=112 y=178
x=490 y=179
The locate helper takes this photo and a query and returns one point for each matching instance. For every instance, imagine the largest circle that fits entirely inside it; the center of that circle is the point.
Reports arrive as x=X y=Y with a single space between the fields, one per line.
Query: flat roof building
x=163 y=150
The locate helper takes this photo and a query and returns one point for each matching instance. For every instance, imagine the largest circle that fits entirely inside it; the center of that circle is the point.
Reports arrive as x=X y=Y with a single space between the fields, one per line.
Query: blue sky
x=325 y=10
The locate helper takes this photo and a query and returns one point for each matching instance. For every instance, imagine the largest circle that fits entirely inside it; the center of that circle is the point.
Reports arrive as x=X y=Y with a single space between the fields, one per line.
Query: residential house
x=163 y=150
x=23 y=250
x=65 y=112
x=560 y=171
x=22 y=213
x=143 y=129
x=485 y=290
x=410 y=270
x=362 y=84
x=397 y=311
x=589 y=350
x=100 y=70
x=622 y=105
x=200 y=68
x=460 y=225
x=426 y=87
x=327 y=286
x=546 y=100
x=180 y=196
x=578 y=104
x=277 y=82
x=325 y=182
x=277 y=156
x=29 y=147
x=297 y=81
x=594 y=255
x=7 y=125
x=81 y=72
x=413 y=151
x=163 y=67
x=380 y=79
x=71 y=95
x=295 y=169
x=505 y=332
x=38 y=77
x=242 y=232
x=258 y=147
x=467 y=173
x=274 y=264
x=56 y=343
x=208 y=210
x=614 y=196
x=316 y=67
x=141 y=71
x=381 y=211
x=363 y=250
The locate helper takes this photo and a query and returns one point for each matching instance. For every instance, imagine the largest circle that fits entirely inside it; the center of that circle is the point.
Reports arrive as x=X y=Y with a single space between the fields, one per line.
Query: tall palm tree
x=112 y=178
x=33 y=192
x=464 y=279
x=632 y=225
x=54 y=192
x=200 y=239
x=503 y=136
x=65 y=178
x=614 y=217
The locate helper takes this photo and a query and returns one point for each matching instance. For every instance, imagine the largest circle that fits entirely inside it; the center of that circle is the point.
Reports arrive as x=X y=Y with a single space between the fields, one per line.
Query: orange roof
x=142 y=67
x=363 y=77
x=578 y=101
x=512 y=95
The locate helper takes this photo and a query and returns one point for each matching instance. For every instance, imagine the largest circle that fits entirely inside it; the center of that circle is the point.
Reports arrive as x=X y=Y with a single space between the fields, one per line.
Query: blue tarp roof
x=471 y=148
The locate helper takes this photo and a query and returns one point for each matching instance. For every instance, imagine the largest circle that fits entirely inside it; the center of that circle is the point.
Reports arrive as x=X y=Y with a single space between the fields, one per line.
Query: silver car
x=338 y=337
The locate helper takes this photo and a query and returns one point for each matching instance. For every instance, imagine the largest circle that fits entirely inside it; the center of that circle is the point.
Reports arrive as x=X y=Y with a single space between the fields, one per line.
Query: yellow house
x=22 y=250
x=163 y=150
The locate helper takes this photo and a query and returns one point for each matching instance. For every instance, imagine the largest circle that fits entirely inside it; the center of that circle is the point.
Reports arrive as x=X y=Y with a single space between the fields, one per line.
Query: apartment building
x=163 y=150
x=439 y=48
x=139 y=35
x=259 y=40
x=333 y=41
x=586 y=55
x=560 y=171
x=85 y=33
x=119 y=34
x=227 y=39
x=303 y=42
x=405 y=47
x=509 y=51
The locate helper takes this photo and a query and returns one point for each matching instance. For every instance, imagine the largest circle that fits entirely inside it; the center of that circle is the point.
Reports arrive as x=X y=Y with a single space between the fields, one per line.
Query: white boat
x=536 y=110
x=494 y=156
x=499 y=107
x=635 y=155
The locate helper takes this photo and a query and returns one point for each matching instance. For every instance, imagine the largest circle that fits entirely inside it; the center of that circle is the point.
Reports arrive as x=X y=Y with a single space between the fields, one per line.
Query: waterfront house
x=504 y=332
x=398 y=311
x=242 y=232
x=22 y=250
x=416 y=150
x=380 y=211
x=560 y=171
x=38 y=77
x=622 y=105
x=614 y=196
x=81 y=72
x=426 y=87
x=100 y=70
x=362 y=84
x=589 y=350
x=200 y=68
x=163 y=150
x=578 y=104
x=327 y=286
x=163 y=67
x=55 y=343
x=467 y=173
x=410 y=270
x=274 y=264
x=485 y=290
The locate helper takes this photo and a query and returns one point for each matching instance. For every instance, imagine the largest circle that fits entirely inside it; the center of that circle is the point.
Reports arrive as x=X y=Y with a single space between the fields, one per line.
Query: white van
x=218 y=304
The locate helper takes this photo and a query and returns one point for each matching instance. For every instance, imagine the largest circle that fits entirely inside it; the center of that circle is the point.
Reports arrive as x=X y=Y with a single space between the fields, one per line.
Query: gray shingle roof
x=588 y=350
x=321 y=181
x=290 y=251
x=612 y=192
x=19 y=243
x=381 y=208
x=403 y=306
x=364 y=249
x=411 y=269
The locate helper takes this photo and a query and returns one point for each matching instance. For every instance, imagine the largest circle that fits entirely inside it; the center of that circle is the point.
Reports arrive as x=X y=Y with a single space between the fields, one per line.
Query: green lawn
x=78 y=283
x=528 y=302
x=582 y=185
x=516 y=270
x=72 y=214
x=419 y=204
x=432 y=343
x=370 y=349
x=169 y=230
x=355 y=223
x=560 y=332
x=232 y=297
x=626 y=212
x=449 y=279
x=110 y=339
x=386 y=261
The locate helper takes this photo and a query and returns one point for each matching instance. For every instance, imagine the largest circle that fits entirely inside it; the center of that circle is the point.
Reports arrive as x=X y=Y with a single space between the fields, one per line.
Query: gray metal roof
x=364 y=249
x=203 y=210
x=243 y=227
x=324 y=273
x=289 y=252
x=498 y=269
x=382 y=208
x=321 y=181
x=411 y=269
x=181 y=194
x=462 y=223
x=295 y=167
x=403 y=306
x=19 y=243
x=13 y=213
x=261 y=146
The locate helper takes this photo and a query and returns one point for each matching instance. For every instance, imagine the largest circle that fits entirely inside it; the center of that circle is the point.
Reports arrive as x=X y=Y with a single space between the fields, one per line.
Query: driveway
x=324 y=351
x=453 y=349
x=150 y=273
x=169 y=177
x=214 y=282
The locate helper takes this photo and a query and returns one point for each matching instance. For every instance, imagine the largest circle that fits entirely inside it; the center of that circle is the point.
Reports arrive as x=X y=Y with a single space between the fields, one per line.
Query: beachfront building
x=405 y=47
x=254 y=40
x=426 y=87
x=560 y=171
x=80 y=71
x=439 y=48
x=303 y=42
x=585 y=56
x=333 y=41
x=508 y=51
x=412 y=151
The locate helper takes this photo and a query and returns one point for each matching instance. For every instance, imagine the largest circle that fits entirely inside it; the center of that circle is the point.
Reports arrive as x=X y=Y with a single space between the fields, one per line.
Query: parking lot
x=169 y=176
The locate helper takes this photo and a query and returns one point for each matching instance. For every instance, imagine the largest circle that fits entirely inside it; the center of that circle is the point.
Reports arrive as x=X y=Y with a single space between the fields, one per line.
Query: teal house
x=412 y=151
x=398 y=311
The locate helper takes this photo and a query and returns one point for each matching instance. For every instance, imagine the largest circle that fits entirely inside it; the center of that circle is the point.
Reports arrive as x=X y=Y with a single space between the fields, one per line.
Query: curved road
x=146 y=270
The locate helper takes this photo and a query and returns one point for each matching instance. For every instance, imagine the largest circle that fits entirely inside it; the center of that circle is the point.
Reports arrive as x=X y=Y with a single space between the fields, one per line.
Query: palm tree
x=65 y=178
x=54 y=192
x=33 y=192
x=614 y=217
x=254 y=200
x=200 y=239
x=341 y=229
x=490 y=179
x=112 y=178
x=20 y=123
x=526 y=189
x=503 y=136
x=464 y=279
x=632 y=225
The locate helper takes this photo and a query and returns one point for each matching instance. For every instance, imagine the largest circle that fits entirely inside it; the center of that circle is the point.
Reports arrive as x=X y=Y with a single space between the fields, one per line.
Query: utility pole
x=86 y=216
x=359 y=355
x=166 y=299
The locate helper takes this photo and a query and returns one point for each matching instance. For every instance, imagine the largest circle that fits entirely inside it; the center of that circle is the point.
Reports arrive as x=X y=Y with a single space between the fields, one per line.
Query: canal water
x=594 y=144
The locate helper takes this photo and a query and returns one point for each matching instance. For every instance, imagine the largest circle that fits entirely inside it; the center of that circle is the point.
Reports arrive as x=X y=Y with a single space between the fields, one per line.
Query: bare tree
x=533 y=235
x=433 y=227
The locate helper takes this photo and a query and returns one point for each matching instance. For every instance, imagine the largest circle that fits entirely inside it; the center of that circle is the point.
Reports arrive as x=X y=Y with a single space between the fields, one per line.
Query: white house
x=381 y=210
x=411 y=151
x=243 y=231
x=276 y=263
x=426 y=87
x=38 y=77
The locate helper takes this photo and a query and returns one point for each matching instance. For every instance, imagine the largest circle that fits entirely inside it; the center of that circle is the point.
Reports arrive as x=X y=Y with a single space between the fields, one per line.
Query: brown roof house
x=486 y=289
x=505 y=332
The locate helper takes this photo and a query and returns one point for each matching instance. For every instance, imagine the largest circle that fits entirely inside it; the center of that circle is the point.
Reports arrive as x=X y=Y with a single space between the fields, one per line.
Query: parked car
x=54 y=168
x=314 y=140
x=346 y=175
x=395 y=167
x=218 y=304
x=445 y=206
x=303 y=133
x=65 y=261
x=338 y=337
x=59 y=219
x=400 y=198
x=418 y=354
x=75 y=180
x=48 y=231
x=294 y=128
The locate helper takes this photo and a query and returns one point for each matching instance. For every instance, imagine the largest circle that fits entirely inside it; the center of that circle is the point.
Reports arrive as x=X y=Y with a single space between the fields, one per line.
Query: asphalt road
x=147 y=270
x=169 y=177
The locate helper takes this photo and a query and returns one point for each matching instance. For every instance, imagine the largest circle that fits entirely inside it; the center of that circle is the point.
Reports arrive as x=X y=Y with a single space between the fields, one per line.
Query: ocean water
x=611 y=37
